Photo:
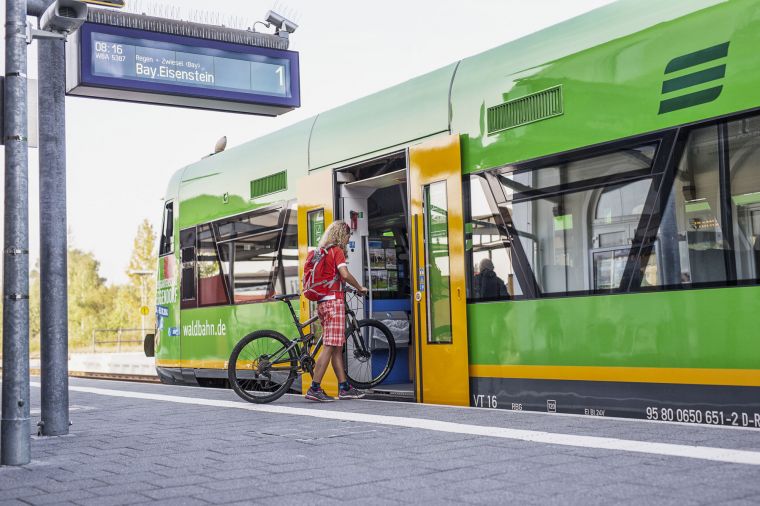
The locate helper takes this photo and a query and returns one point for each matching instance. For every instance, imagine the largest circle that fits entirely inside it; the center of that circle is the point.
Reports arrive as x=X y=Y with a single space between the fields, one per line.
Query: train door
x=372 y=198
x=438 y=267
x=315 y=213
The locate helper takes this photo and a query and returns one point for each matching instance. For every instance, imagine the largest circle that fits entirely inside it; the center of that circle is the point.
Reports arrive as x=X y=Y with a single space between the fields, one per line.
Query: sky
x=120 y=156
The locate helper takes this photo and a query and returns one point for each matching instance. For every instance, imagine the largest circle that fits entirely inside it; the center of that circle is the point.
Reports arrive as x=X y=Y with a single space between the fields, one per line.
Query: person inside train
x=487 y=285
x=332 y=315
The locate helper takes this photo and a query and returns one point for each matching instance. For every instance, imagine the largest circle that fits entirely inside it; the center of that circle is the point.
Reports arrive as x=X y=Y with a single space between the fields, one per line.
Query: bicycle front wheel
x=261 y=367
x=369 y=353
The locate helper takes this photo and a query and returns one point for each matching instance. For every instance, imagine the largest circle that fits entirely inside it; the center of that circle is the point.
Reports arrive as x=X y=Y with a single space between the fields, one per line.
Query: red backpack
x=316 y=283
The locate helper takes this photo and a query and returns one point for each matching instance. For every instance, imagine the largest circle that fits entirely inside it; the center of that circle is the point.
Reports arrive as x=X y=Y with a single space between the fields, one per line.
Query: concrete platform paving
x=156 y=444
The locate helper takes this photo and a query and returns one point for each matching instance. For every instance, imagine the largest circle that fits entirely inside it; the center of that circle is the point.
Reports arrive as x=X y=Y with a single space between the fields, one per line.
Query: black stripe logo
x=707 y=75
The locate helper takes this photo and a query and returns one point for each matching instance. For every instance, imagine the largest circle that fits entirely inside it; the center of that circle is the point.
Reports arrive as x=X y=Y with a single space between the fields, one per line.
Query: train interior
x=373 y=200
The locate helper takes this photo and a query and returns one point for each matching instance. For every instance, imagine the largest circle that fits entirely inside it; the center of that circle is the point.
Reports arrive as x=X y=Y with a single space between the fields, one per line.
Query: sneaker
x=318 y=395
x=351 y=393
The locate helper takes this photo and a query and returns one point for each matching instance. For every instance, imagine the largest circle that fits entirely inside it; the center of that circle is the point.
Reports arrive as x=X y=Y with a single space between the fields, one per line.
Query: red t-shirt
x=334 y=260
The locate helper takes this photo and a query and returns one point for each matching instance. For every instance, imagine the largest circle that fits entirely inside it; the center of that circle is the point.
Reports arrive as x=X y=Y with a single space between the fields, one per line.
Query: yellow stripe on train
x=688 y=376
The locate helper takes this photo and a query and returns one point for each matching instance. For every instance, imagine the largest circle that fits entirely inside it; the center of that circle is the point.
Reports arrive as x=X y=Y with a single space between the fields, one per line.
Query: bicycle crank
x=307 y=363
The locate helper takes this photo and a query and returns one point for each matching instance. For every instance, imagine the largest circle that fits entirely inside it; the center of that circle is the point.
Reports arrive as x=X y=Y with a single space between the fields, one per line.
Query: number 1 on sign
x=281 y=73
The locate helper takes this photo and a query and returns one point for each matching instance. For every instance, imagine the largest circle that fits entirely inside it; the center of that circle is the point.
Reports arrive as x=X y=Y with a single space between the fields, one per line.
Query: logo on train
x=691 y=79
x=551 y=406
x=161 y=313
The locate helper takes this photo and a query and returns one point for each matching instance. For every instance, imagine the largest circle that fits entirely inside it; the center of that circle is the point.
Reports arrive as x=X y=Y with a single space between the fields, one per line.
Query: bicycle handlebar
x=351 y=289
x=286 y=297
x=289 y=296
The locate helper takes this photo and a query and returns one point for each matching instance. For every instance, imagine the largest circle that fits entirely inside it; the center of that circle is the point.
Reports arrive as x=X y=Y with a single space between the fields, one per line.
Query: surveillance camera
x=284 y=26
x=64 y=16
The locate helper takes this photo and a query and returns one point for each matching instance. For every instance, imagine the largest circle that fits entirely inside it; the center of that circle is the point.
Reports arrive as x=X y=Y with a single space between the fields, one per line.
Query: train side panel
x=611 y=66
x=624 y=354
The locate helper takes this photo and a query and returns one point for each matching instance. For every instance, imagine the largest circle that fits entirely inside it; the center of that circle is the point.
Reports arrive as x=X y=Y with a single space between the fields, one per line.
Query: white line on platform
x=511 y=412
x=694 y=452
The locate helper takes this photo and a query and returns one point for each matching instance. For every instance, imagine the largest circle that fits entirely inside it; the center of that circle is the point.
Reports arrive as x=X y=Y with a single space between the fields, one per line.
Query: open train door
x=315 y=213
x=438 y=264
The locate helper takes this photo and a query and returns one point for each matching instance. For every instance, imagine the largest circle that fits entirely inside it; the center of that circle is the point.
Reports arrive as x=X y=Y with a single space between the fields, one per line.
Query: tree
x=89 y=301
x=34 y=310
x=92 y=303
x=144 y=256
x=143 y=260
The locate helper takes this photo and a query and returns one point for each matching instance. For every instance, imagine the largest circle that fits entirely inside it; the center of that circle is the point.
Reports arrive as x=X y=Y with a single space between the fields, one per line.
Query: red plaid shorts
x=332 y=316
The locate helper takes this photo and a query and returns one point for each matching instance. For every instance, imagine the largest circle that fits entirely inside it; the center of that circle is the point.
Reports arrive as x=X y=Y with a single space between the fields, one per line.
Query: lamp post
x=143 y=299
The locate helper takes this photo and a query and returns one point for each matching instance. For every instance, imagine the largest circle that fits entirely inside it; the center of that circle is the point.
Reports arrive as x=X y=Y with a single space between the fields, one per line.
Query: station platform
x=122 y=363
x=150 y=443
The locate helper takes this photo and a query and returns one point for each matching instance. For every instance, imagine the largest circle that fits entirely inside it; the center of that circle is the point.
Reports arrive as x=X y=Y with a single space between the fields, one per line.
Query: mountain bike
x=264 y=364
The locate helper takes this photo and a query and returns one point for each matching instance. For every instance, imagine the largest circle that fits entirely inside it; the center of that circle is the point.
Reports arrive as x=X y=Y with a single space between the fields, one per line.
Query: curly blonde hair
x=338 y=233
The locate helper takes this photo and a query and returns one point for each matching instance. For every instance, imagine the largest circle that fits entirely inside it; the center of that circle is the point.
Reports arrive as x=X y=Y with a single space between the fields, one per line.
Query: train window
x=286 y=273
x=260 y=264
x=166 y=244
x=250 y=261
x=492 y=273
x=248 y=267
x=616 y=217
x=315 y=222
x=710 y=230
x=248 y=224
x=438 y=263
x=630 y=162
x=549 y=232
x=211 y=288
x=565 y=239
x=744 y=162
x=690 y=238
x=187 y=259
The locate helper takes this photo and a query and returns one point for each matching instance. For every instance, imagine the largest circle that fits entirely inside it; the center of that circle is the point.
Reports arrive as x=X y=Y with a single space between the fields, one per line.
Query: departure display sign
x=136 y=65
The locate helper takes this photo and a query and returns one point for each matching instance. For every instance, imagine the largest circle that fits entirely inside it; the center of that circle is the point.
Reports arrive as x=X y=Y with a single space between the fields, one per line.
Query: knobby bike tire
x=241 y=377
x=359 y=368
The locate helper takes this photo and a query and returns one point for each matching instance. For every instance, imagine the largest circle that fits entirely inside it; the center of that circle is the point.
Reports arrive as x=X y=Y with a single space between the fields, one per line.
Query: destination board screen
x=136 y=60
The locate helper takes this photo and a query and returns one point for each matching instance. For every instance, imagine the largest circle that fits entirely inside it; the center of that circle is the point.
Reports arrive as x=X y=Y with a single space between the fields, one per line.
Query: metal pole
x=142 y=304
x=53 y=241
x=15 y=441
x=369 y=274
x=37 y=7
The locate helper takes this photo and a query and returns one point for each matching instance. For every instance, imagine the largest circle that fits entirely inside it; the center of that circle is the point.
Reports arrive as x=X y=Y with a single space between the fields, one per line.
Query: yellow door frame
x=442 y=368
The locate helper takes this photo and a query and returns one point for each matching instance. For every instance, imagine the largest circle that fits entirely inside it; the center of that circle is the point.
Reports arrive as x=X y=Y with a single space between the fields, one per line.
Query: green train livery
x=567 y=223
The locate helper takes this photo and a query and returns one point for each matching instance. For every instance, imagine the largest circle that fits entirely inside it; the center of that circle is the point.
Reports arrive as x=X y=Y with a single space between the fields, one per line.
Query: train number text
x=709 y=417
x=485 y=401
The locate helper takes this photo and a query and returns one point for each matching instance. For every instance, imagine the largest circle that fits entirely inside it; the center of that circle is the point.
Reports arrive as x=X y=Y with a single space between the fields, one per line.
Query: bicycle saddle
x=287 y=296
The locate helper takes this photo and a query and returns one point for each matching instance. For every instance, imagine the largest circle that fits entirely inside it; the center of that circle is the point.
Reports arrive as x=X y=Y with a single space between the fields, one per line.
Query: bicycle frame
x=300 y=344
x=305 y=339
x=259 y=377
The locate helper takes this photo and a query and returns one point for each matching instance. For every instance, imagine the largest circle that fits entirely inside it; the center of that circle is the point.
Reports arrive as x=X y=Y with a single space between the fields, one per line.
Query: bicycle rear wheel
x=369 y=353
x=261 y=367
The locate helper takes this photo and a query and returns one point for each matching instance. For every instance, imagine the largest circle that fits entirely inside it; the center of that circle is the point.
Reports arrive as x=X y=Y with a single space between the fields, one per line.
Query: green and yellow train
x=567 y=223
